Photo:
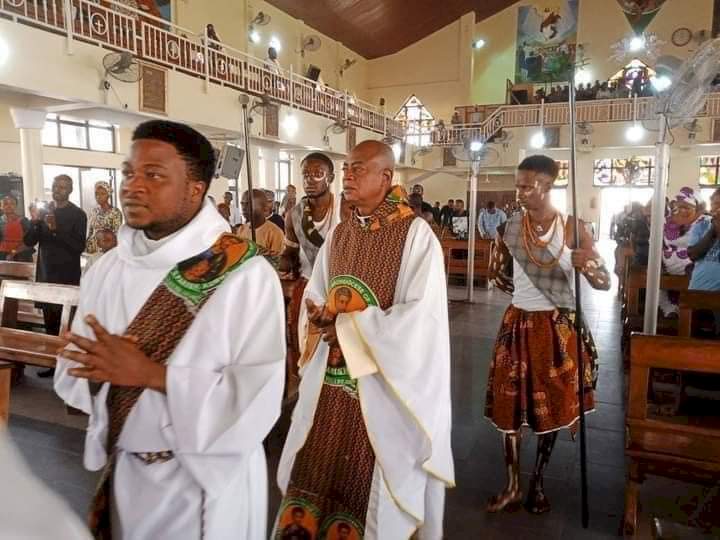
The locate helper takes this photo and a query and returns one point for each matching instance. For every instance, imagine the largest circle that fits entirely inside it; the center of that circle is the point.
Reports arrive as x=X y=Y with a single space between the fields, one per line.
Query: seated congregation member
x=369 y=444
x=686 y=211
x=268 y=236
x=187 y=393
x=533 y=378
x=13 y=229
x=704 y=250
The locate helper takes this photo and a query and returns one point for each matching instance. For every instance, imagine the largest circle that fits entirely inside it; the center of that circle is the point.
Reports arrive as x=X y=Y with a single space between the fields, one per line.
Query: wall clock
x=681 y=37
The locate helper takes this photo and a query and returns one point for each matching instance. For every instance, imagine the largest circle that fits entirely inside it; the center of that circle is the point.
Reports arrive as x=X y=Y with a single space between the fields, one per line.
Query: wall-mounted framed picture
x=271 y=121
x=153 y=89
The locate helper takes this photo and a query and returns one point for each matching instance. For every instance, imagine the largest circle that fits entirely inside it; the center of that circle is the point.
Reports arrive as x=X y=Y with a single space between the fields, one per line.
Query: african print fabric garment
x=188 y=463
x=533 y=377
x=100 y=220
x=391 y=379
x=331 y=479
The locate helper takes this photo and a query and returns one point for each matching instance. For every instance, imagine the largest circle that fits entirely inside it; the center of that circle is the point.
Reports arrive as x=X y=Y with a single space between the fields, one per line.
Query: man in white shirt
x=489 y=220
x=183 y=327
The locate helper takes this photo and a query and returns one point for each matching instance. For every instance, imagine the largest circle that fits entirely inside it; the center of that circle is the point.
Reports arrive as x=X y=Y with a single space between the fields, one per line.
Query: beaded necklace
x=531 y=238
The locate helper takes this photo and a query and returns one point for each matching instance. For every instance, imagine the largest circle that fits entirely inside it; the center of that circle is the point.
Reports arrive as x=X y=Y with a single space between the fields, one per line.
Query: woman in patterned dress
x=103 y=217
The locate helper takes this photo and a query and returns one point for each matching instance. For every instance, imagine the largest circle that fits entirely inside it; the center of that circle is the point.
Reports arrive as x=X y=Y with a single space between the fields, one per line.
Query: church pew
x=691 y=301
x=25 y=271
x=26 y=347
x=633 y=316
x=456 y=253
x=683 y=449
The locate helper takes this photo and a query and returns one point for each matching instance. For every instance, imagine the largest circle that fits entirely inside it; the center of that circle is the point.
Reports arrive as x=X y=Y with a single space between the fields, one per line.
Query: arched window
x=417 y=121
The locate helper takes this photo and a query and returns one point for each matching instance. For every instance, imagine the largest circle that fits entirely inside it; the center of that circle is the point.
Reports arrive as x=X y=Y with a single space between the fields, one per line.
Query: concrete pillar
x=30 y=124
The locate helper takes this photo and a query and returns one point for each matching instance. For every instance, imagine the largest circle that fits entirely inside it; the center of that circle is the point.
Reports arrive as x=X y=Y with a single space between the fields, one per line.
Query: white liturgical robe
x=401 y=358
x=224 y=391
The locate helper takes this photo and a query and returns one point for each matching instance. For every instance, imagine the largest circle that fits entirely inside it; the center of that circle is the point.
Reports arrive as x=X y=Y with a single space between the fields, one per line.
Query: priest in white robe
x=369 y=446
x=188 y=463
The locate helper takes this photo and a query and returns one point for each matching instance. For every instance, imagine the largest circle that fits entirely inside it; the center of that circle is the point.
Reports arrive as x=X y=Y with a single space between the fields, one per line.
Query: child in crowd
x=106 y=240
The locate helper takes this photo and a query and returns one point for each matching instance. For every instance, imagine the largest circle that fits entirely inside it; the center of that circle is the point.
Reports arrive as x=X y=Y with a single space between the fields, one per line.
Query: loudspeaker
x=313 y=73
x=230 y=162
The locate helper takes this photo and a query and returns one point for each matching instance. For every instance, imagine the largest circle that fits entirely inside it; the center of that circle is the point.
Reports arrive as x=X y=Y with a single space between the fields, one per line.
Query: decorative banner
x=640 y=13
x=546 y=42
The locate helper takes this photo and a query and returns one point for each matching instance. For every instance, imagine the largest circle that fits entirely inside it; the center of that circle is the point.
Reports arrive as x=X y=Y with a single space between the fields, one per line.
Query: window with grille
x=563 y=173
x=69 y=132
x=283 y=168
x=634 y=171
x=417 y=121
x=710 y=170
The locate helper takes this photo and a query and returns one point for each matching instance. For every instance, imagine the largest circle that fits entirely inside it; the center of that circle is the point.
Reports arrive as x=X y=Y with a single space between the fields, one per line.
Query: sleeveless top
x=311 y=234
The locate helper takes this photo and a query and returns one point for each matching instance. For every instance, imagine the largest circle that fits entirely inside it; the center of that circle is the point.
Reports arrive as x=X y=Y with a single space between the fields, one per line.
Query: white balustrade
x=558 y=114
x=117 y=26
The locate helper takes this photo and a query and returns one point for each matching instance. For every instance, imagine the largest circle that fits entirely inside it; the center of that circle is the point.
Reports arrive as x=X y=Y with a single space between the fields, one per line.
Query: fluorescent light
x=583 y=76
x=275 y=43
x=254 y=36
x=476 y=146
x=291 y=125
x=537 y=141
x=637 y=44
x=635 y=133
x=397 y=150
x=478 y=43
x=661 y=83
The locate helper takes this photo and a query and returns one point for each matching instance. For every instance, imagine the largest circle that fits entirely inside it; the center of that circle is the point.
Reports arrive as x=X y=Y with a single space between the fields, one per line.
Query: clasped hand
x=324 y=320
x=111 y=358
x=580 y=258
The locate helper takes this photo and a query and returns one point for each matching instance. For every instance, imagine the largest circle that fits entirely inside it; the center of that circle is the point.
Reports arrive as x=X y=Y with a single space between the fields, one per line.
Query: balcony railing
x=558 y=114
x=116 y=26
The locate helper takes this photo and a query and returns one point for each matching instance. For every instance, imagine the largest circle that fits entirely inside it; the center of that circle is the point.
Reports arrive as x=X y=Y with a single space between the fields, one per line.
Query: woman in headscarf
x=686 y=210
x=103 y=216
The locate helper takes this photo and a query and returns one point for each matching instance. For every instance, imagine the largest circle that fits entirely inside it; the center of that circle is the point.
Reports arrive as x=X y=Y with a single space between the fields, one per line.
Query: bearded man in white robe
x=368 y=453
x=190 y=371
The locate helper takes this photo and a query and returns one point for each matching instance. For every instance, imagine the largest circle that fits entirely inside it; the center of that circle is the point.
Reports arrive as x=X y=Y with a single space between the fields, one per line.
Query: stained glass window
x=417 y=121
x=633 y=171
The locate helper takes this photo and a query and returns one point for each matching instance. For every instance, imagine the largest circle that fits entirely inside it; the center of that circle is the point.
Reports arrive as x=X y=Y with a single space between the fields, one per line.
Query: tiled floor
x=52 y=441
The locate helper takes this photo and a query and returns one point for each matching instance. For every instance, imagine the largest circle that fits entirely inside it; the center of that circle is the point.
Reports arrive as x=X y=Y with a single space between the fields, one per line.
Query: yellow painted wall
x=601 y=23
x=436 y=69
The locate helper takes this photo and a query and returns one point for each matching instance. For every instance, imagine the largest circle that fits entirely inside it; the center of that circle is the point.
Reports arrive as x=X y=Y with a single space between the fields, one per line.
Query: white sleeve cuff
x=356 y=351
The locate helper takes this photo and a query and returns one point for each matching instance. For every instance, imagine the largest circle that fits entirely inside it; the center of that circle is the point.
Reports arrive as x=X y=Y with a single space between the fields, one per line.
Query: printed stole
x=159 y=326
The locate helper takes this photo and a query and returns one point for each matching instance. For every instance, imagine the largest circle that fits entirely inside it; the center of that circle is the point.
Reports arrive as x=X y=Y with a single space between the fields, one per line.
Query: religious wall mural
x=546 y=41
x=640 y=13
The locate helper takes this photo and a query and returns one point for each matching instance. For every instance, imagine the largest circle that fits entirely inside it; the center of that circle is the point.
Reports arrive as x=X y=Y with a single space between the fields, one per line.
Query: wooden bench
x=26 y=347
x=633 y=315
x=25 y=271
x=692 y=301
x=669 y=447
x=456 y=254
